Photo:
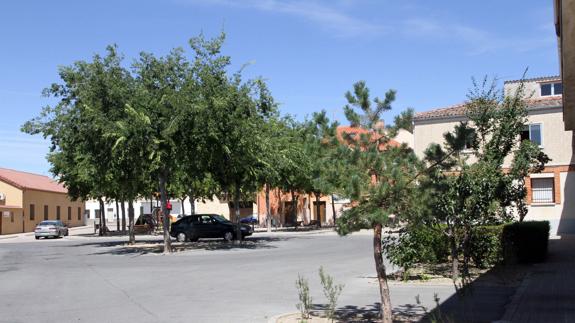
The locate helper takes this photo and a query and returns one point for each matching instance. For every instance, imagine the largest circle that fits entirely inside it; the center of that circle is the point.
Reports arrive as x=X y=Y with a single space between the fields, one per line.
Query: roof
x=458 y=110
x=537 y=79
x=357 y=130
x=24 y=180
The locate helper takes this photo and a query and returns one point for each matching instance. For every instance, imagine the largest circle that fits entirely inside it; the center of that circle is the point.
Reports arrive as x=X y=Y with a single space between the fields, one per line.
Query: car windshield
x=43 y=223
x=221 y=219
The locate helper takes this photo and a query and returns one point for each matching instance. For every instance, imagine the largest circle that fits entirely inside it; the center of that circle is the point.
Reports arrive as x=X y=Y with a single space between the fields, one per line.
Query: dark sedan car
x=194 y=227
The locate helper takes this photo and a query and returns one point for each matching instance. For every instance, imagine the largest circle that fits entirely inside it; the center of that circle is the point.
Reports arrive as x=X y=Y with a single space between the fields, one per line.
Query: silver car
x=51 y=228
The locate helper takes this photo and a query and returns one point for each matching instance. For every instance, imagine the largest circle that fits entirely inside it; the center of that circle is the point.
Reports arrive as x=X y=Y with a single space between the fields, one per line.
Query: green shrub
x=416 y=245
x=486 y=249
x=525 y=242
x=305 y=300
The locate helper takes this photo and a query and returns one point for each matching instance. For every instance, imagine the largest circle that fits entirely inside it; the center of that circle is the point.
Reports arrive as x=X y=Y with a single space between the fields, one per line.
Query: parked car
x=194 y=227
x=51 y=228
x=251 y=219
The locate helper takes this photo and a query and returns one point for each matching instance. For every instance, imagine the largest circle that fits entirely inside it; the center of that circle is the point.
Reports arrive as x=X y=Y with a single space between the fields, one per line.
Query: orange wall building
x=27 y=199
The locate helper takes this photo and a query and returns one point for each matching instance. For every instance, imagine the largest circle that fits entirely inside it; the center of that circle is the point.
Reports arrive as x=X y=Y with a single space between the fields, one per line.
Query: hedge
x=525 y=242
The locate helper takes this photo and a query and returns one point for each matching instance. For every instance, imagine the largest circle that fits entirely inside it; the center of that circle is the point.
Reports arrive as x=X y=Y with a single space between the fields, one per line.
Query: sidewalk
x=548 y=293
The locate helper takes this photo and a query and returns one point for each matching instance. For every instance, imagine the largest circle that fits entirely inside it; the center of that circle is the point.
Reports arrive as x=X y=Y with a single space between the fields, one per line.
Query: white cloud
x=476 y=40
x=339 y=23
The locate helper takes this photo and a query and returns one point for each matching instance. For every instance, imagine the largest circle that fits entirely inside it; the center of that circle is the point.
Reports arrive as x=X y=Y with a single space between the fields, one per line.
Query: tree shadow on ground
x=156 y=245
x=370 y=313
x=483 y=300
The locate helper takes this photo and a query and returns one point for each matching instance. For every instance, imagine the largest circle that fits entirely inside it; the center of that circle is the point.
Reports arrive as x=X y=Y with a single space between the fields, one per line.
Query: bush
x=305 y=300
x=331 y=290
x=486 y=250
x=416 y=245
x=525 y=242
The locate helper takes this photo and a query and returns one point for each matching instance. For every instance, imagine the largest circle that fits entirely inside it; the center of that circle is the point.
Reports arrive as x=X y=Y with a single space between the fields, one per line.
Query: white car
x=50 y=228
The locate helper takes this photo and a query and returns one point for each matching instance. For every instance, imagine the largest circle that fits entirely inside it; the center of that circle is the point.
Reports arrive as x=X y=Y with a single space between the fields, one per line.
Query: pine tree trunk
x=162 y=179
x=268 y=213
x=123 y=206
x=385 y=310
x=237 y=211
x=466 y=255
x=117 y=216
x=131 y=233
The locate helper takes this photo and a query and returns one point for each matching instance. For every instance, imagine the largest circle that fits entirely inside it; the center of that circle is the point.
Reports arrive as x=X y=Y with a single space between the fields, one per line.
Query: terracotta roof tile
x=537 y=79
x=24 y=180
x=458 y=110
x=351 y=130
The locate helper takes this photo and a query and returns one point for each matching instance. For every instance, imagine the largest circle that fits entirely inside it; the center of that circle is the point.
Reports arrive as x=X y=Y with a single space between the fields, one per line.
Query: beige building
x=550 y=192
x=27 y=199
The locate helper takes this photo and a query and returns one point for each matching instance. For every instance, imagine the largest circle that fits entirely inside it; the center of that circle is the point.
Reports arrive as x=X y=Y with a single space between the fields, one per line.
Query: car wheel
x=37 y=238
x=66 y=233
x=181 y=237
x=229 y=236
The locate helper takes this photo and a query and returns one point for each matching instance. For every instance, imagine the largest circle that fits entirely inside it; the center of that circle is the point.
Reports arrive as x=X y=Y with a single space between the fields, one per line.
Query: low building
x=27 y=199
x=549 y=192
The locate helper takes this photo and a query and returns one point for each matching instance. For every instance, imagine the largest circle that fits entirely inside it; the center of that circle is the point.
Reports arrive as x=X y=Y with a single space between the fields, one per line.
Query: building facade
x=549 y=192
x=27 y=199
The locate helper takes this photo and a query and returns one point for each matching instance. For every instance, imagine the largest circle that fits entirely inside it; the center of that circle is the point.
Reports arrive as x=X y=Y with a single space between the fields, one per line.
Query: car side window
x=206 y=219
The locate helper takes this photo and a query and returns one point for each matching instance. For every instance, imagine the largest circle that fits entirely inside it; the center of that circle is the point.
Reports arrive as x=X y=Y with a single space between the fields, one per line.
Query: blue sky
x=310 y=52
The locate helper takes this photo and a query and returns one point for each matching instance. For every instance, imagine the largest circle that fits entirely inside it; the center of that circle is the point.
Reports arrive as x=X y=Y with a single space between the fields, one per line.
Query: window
x=69 y=213
x=45 y=212
x=12 y=217
x=542 y=190
x=532 y=132
x=79 y=213
x=32 y=212
x=58 y=212
x=548 y=89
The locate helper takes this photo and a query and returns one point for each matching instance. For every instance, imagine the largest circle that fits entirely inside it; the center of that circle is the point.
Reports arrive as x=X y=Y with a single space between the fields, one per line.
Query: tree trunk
x=237 y=211
x=454 y=256
x=318 y=209
x=162 y=179
x=333 y=209
x=182 y=203
x=305 y=209
x=268 y=213
x=117 y=216
x=102 y=218
x=385 y=308
x=466 y=256
x=293 y=207
x=192 y=204
x=123 y=205
x=131 y=233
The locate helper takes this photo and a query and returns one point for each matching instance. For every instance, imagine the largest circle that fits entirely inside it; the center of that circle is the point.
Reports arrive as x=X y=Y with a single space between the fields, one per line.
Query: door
x=206 y=227
x=321 y=217
x=289 y=217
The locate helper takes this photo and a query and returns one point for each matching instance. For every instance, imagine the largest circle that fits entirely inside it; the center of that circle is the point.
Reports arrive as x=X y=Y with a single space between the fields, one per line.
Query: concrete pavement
x=93 y=279
x=547 y=294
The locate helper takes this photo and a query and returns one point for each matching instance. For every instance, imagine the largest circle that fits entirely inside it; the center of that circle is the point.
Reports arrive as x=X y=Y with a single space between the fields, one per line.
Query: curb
x=275 y=318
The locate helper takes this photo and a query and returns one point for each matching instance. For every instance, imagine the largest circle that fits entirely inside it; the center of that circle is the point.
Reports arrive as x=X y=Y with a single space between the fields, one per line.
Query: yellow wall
x=13 y=194
x=11 y=223
x=52 y=200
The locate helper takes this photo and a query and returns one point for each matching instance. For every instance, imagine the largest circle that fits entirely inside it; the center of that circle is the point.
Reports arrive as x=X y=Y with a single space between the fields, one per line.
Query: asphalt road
x=91 y=279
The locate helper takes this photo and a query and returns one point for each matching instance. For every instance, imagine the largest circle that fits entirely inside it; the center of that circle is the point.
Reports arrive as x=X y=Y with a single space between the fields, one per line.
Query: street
x=82 y=278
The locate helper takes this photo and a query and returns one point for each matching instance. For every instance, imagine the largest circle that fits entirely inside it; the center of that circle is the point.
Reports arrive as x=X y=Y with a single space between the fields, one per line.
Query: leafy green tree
x=469 y=184
x=91 y=95
x=319 y=143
